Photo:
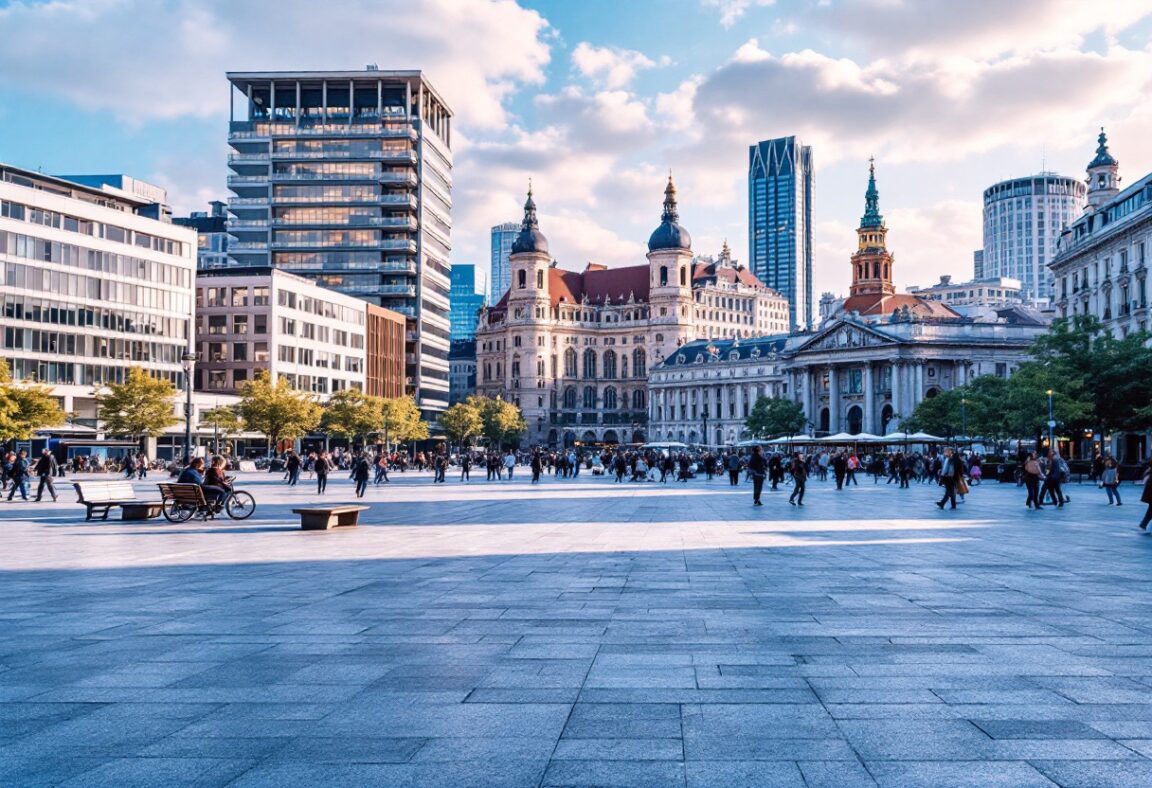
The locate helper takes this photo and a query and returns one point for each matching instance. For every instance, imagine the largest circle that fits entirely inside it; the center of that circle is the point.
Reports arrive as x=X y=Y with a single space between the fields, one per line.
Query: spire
x=872 y=217
x=725 y=252
x=530 y=222
x=670 y=213
x=1103 y=157
x=530 y=238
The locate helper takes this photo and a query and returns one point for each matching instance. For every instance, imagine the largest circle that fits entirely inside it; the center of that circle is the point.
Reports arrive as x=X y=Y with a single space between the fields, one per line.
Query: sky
x=597 y=100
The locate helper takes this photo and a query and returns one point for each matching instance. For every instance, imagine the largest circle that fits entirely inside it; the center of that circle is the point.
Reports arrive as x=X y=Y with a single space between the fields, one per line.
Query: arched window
x=663 y=275
x=610 y=398
x=540 y=280
x=570 y=398
x=638 y=400
x=624 y=364
x=590 y=397
x=683 y=276
x=610 y=364
x=589 y=363
x=570 y=363
x=516 y=366
x=521 y=279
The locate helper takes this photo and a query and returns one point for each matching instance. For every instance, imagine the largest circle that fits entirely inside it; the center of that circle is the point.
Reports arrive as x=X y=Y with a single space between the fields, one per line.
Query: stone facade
x=573 y=349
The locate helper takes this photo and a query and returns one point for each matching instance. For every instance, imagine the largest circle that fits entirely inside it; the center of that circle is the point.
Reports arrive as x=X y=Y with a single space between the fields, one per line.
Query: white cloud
x=732 y=10
x=144 y=60
x=611 y=67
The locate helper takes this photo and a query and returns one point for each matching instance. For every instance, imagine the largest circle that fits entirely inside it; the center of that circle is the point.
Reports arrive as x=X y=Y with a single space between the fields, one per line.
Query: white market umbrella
x=923 y=437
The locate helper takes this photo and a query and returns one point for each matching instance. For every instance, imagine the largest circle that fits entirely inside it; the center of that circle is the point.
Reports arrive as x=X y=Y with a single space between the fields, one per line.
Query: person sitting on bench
x=216 y=485
x=194 y=474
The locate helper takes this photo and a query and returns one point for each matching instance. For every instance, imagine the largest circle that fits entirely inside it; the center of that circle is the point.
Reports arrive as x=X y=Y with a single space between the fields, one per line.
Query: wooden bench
x=101 y=497
x=317 y=519
x=190 y=496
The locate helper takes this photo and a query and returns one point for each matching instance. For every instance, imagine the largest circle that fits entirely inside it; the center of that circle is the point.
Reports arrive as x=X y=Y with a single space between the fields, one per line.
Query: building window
x=540 y=280
x=590 y=397
x=589 y=363
x=610 y=364
x=521 y=279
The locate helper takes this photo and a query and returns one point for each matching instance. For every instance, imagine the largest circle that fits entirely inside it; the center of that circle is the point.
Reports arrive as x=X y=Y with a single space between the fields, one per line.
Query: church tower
x=1103 y=174
x=872 y=262
x=671 y=310
x=528 y=263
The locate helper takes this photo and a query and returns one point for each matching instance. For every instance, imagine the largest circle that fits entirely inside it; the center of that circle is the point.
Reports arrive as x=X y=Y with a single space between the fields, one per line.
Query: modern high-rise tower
x=468 y=296
x=345 y=177
x=1023 y=218
x=503 y=236
x=780 y=179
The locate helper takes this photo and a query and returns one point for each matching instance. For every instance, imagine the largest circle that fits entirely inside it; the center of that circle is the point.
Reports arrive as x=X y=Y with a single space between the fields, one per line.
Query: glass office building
x=780 y=181
x=345 y=177
x=502 y=237
x=467 y=297
x=1023 y=218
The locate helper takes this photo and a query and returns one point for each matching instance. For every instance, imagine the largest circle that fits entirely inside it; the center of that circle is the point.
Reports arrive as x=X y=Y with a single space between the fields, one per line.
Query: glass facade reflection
x=467 y=297
x=346 y=178
x=780 y=179
x=502 y=237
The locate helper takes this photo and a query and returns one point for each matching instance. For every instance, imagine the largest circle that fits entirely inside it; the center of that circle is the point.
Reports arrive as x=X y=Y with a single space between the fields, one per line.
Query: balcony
x=373 y=155
x=242 y=224
x=248 y=158
x=248 y=247
x=386 y=245
x=247 y=180
x=263 y=129
x=248 y=201
x=400 y=222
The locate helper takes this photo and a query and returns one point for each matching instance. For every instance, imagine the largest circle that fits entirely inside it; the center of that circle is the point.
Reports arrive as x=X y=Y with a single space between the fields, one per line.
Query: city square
x=581 y=632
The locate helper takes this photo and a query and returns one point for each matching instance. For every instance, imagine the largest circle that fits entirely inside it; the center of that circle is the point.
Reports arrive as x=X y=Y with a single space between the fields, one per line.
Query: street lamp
x=188 y=361
x=1051 y=423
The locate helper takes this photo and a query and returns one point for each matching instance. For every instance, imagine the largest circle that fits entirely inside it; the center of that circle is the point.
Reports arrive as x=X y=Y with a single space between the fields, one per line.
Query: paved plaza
x=581 y=632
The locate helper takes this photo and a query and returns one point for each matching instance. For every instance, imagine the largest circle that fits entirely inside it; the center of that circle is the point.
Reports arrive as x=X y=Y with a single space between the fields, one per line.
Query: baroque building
x=573 y=349
x=1101 y=264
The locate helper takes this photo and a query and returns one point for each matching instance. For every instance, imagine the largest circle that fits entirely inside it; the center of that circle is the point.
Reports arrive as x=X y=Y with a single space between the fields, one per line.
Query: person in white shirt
x=509 y=464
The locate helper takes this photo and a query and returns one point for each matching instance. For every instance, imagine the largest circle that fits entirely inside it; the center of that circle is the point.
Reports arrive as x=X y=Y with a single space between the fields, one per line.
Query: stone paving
x=582 y=633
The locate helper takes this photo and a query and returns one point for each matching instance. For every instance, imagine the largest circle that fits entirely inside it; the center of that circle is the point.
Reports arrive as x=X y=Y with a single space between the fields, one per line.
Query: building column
x=917 y=385
x=897 y=398
x=833 y=401
x=869 y=422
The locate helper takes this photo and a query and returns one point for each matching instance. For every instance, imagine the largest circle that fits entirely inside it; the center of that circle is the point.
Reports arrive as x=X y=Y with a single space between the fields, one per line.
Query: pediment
x=845 y=335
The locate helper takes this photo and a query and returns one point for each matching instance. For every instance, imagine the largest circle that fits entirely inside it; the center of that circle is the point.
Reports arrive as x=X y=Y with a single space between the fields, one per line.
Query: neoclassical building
x=704 y=392
x=573 y=349
x=1102 y=259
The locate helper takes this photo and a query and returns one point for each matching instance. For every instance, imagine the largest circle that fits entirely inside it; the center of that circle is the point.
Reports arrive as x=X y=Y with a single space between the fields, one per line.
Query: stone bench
x=101 y=497
x=321 y=519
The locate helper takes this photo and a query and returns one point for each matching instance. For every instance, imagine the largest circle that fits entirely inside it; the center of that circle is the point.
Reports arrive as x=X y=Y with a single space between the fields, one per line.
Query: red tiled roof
x=878 y=304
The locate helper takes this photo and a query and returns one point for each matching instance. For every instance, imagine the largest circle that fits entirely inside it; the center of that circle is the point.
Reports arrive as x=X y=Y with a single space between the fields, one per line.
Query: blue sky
x=596 y=100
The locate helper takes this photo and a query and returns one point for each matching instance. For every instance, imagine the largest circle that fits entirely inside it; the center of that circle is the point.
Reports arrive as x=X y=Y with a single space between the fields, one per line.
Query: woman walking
x=1110 y=481
x=1033 y=476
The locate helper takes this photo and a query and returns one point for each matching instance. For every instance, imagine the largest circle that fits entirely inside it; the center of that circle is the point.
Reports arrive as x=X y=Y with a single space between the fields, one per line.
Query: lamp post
x=1051 y=424
x=705 y=441
x=188 y=361
x=964 y=416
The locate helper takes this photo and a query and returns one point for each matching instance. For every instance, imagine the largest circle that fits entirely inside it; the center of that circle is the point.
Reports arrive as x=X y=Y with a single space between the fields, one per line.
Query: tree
x=772 y=416
x=25 y=408
x=502 y=421
x=401 y=422
x=461 y=422
x=938 y=415
x=353 y=414
x=140 y=406
x=276 y=409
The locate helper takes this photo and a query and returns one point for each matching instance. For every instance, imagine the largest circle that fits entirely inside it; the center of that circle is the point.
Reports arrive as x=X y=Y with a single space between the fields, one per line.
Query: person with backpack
x=46 y=468
x=1057 y=474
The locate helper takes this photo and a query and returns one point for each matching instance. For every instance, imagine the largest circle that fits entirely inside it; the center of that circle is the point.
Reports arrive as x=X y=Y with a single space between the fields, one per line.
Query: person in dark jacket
x=1146 y=495
x=46 y=468
x=951 y=471
x=799 y=480
x=320 y=467
x=292 y=465
x=840 y=469
x=361 y=469
x=18 y=474
x=758 y=467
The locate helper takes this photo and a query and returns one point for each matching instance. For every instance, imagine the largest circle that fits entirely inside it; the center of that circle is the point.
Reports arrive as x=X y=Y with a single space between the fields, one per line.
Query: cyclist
x=216 y=485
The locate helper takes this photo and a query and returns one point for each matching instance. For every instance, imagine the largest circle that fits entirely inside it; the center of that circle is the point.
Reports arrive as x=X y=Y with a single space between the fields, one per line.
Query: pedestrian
x=1033 y=476
x=840 y=469
x=537 y=466
x=440 y=468
x=509 y=463
x=853 y=466
x=465 y=467
x=1057 y=473
x=46 y=468
x=950 y=474
x=320 y=467
x=1110 y=480
x=734 y=469
x=292 y=465
x=360 y=471
x=758 y=467
x=1146 y=495
x=619 y=466
x=18 y=474
x=799 y=480
x=381 y=468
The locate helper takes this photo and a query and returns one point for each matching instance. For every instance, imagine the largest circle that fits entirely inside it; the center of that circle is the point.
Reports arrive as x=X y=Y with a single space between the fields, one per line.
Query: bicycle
x=182 y=502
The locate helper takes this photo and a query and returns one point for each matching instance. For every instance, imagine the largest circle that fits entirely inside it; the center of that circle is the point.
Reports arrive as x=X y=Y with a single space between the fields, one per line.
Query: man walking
x=758 y=467
x=18 y=473
x=1057 y=473
x=46 y=469
x=360 y=469
x=949 y=476
x=509 y=463
x=799 y=480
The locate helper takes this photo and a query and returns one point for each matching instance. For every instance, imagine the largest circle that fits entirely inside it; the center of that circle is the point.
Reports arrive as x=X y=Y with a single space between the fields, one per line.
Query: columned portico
x=834 y=404
x=869 y=424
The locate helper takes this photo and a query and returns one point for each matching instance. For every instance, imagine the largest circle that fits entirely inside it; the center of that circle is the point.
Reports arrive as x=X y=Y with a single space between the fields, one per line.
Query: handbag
x=961 y=486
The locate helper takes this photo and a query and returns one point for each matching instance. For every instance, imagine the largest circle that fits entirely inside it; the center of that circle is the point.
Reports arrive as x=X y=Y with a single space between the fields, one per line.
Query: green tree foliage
x=502 y=421
x=140 y=406
x=773 y=416
x=353 y=414
x=276 y=409
x=461 y=422
x=25 y=408
x=401 y=421
x=224 y=420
